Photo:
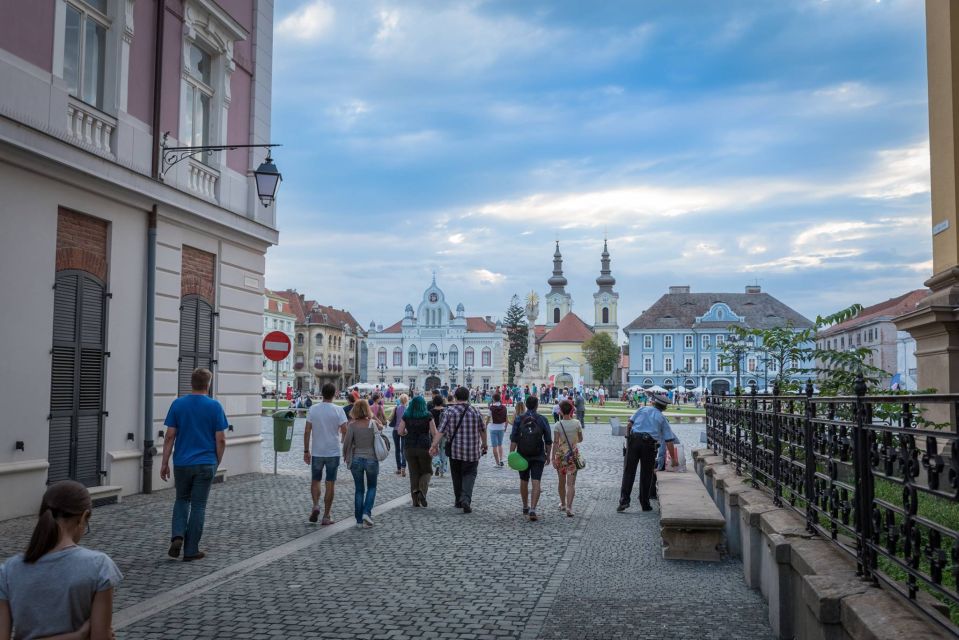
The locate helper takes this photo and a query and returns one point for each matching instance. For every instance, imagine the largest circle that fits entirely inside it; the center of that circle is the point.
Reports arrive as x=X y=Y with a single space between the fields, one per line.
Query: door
x=432 y=383
x=720 y=387
x=76 y=381
x=196 y=340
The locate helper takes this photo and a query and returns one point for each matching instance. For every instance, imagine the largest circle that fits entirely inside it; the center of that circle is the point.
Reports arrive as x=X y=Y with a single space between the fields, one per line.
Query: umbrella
x=401 y=386
x=656 y=389
x=363 y=386
x=269 y=384
x=699 y=390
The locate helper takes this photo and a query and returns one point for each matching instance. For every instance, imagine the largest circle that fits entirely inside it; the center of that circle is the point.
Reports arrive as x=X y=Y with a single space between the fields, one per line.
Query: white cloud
x=899 y=173
x=457 y=238
x=853 y=95
x=312 y=21
x=347 y=113
x=485 y=276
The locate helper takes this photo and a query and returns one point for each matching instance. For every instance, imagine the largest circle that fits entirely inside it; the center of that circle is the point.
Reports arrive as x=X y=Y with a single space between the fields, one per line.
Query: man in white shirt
x=326 y=423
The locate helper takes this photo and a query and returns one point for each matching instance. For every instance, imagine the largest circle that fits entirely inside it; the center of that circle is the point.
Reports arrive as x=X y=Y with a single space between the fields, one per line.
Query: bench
x=691 y=525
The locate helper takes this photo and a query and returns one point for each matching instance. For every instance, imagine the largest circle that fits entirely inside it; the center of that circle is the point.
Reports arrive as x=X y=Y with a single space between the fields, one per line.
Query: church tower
x=605 y=300
x=558 y=302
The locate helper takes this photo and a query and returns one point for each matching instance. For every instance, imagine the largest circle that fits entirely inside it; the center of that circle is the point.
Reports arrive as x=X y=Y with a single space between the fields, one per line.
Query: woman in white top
x=59 y=590
x=567 y=434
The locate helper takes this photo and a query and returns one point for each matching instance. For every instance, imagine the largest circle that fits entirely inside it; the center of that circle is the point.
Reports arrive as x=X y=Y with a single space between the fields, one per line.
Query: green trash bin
x=283 y=430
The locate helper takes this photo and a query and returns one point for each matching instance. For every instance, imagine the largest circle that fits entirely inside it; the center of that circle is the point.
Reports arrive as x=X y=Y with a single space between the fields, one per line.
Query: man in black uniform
x=648 y=429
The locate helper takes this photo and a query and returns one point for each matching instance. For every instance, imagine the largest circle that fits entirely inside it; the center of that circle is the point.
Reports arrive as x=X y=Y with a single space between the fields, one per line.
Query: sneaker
x=647 y=507
x=501 y=463
x=467 y=509
x=525 y=511
x=314 y=515
x=532 y=516
x=327 y=521
x=367 y=520
x=198 y=556
x=359 y=525
x=562 y=507
x=175 y=545
x=366 y=525
x=622 y=508
x=422 y=499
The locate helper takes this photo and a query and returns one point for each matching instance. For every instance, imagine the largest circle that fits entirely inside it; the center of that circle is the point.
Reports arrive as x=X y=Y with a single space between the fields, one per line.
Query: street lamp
x=453 y=375
x=267 y=180
x=382 y=369
x=469 y=376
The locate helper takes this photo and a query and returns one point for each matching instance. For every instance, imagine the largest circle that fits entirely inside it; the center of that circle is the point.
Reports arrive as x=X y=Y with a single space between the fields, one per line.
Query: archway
x=563 y=380
x=431 y=383
x=720 y=387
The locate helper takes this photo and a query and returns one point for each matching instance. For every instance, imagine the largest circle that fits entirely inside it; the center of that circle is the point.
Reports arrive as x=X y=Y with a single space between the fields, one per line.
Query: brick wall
x=81 y=243
x=198 y=274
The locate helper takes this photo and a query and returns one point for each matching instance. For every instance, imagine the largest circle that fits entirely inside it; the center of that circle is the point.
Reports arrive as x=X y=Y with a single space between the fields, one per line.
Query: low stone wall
x=810 y=585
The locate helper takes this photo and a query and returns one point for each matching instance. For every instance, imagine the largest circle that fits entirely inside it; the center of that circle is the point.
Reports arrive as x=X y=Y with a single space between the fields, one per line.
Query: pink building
x=122 y=271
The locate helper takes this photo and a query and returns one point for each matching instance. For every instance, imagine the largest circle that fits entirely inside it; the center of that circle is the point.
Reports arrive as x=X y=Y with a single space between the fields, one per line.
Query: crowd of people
x=59 y=589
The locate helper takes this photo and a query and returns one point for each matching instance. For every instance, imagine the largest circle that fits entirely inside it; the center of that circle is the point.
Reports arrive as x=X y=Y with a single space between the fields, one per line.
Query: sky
x=717 y=144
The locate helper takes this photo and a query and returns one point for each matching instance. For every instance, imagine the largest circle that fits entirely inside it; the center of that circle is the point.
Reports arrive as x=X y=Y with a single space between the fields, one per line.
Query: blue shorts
x=331 y=464
x=496 y=438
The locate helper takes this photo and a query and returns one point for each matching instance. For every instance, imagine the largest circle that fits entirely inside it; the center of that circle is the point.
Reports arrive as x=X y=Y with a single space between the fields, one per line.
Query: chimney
x=753 y=288
x=489 y=319
x=679 y=289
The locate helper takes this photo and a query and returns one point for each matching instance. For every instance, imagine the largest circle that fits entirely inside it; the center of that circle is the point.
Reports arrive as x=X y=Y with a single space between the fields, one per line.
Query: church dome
x=557 y=281
x=605 y=279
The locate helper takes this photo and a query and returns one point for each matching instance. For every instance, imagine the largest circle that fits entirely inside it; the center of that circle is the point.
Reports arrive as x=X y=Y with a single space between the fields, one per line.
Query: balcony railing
x=90 y=126
x=203 y=180
x=876 y=475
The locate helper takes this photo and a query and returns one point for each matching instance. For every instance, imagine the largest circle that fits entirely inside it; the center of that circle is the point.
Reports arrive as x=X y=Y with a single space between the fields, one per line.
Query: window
x=688 y=364
x=468 y=357
x=668 y=383
x=688 y=341
x=668 y=364
x=750 y=364
x=299 y=339
x=487 y=357
x=556 y=315
x=397 y=358
x=605 y=315
x=705 y=365
x=667 y=342
x=434 y=355
x=275 y=323
x=84 y=50
x=454 y=356
x=318 y=339
x=197 y=95
x=412 y=360
x=647 y=365
x=381 y=357
x=647 y=342
x=705 y=342
x=720 y=340
x=196 y=339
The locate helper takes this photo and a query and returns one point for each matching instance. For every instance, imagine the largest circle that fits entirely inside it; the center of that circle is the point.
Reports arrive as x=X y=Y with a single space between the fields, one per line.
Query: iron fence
x=878 y=475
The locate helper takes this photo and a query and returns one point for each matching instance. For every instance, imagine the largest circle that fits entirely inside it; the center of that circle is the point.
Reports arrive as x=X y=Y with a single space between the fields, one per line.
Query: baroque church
x=555 y=348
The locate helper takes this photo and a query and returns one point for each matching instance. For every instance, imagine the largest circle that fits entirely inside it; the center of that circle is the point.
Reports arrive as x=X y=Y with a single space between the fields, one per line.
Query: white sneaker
x=367 y=520
x=359 y=525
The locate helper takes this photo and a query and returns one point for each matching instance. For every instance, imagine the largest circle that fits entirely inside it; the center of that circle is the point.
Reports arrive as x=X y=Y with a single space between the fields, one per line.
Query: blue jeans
x=398 y=450
x=189 y=510
x=363 y=497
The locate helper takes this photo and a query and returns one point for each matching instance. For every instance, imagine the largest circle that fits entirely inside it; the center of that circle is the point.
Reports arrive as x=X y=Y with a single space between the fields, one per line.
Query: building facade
x=128 y=270
x=677 y=342
x=278 y=316
x=431 y=347
x=874 y=328
x=326 y=345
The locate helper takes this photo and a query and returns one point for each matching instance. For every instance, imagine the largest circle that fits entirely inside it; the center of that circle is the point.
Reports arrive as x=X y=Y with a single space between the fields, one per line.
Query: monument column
x=935 y=324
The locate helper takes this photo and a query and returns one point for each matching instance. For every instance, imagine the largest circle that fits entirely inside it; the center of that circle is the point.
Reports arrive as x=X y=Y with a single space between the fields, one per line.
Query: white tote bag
x=381 y=446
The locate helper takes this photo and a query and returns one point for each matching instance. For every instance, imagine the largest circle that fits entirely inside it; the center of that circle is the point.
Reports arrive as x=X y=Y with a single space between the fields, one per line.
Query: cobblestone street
x=434 y=572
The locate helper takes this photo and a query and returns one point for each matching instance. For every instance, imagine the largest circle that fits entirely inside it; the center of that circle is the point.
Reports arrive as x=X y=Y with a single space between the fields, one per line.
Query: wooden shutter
x=196 y=340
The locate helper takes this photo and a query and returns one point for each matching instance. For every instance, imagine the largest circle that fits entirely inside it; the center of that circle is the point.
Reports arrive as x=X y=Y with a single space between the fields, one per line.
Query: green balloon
x=517 y=462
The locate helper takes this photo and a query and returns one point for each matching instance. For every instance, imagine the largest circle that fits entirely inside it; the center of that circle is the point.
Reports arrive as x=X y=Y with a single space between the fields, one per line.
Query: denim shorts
x=331 y=464
x=496 y=437
x=534 y=470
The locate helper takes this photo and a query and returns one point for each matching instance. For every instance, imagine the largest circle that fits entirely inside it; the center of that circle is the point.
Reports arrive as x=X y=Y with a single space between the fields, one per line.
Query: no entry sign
x=276 y=346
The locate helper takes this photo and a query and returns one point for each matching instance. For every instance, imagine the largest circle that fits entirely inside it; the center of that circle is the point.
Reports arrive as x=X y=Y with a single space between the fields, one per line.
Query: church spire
x=557 y=282
x=605 y=279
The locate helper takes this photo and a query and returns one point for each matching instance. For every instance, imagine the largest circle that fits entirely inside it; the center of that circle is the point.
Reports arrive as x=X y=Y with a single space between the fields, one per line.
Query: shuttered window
x=196 y=339
x=76 y=391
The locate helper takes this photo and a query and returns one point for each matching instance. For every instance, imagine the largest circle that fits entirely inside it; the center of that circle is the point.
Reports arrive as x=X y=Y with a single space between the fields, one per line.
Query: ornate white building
x=433 y=347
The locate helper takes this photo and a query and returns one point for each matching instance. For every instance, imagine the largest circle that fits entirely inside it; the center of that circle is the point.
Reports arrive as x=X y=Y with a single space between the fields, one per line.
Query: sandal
x=569 y=514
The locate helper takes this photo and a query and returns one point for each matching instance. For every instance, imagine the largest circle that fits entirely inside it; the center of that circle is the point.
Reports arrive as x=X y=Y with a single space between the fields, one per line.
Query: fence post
x=738 y=449
x=863 y=481
x=753 y=436
x=810 y=457
x=777 y=448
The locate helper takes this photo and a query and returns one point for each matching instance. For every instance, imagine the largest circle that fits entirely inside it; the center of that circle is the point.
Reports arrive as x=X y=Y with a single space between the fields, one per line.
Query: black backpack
x=498 y=414
x=530 y=439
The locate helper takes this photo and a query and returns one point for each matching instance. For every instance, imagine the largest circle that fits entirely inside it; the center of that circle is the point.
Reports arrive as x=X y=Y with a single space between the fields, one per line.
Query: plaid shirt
x=468 y=443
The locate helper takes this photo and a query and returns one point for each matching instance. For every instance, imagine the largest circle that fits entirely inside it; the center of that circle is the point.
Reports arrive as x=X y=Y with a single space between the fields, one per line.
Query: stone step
x=104 y=495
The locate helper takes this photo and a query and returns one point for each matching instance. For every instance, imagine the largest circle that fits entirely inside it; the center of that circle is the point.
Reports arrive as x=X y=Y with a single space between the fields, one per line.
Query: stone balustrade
x=203 y=180
x=90 y=126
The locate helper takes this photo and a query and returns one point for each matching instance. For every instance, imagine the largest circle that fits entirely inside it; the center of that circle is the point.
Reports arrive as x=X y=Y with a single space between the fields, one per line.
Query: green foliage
x=602 y=354
x=516 y=332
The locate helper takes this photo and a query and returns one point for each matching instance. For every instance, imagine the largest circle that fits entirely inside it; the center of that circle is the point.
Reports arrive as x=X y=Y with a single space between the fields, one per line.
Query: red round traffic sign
x=276 y=345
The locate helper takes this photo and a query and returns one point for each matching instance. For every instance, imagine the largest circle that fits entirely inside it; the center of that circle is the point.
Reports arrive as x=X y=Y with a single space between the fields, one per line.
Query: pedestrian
x=567 y=435
x=496 y=425
x=440 y=461
x=376 y=406
x=532 y=439
x=417 y=430
x=195 y=435
x=602 y=396
x=556 y=410
x=360 y=456
x=348 y=407
x=325 y=426
x=398 y=450
x=648 y=429
x=57 y=588
x=580 y=408
x=464 y=427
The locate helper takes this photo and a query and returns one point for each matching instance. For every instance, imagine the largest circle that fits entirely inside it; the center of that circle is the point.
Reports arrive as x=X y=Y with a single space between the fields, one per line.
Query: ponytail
x=62 y=501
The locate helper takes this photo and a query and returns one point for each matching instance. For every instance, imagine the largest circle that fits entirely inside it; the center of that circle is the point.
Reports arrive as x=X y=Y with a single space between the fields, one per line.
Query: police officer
x=648 y=430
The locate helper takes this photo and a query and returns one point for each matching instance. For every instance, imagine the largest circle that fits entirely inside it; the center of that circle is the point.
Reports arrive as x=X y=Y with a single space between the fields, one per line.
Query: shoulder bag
x=381 y=445
x=573 y=455
x=448 y=449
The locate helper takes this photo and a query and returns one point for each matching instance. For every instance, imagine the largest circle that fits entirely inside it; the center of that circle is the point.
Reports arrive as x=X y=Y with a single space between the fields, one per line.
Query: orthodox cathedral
x=555 y=349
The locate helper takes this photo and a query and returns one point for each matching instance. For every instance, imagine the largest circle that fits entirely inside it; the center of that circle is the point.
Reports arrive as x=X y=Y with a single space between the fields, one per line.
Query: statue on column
x=531 y=361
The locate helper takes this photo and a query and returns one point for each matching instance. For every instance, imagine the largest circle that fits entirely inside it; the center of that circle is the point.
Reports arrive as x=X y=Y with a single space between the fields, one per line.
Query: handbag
x=448 y=449
x=573 y=455
x=381 y=445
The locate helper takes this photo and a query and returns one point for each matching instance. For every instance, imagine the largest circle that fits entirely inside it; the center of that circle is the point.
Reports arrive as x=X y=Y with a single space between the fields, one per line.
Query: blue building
x=677 y=342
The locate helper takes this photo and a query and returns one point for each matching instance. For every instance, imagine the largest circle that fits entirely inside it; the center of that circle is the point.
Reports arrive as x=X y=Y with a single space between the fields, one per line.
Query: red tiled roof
x=570 y=329
x=883 y=310
x=311 y=312
x=539 y=331
x=396 y=327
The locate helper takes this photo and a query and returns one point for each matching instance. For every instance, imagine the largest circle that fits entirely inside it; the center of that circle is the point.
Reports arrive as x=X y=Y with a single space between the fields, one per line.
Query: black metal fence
x=877 y=475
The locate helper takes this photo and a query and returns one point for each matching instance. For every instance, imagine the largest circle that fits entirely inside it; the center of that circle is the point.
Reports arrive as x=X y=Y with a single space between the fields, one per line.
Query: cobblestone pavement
x=430 y=573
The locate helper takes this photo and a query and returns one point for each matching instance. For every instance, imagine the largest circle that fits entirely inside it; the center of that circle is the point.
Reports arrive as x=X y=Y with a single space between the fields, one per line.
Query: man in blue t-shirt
x=195 y=436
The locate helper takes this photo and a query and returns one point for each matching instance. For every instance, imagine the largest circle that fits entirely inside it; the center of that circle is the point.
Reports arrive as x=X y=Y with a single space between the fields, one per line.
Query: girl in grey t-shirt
x=58 y=588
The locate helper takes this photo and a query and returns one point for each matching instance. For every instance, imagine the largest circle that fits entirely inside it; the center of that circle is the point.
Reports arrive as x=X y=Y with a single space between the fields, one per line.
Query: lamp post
x=382 y=369
x=266 y=176
x=453 y=375
x=469 y=376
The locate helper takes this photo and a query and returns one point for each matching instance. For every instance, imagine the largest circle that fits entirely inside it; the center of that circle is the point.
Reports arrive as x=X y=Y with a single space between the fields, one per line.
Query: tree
x=602 y=354
x=516 y=333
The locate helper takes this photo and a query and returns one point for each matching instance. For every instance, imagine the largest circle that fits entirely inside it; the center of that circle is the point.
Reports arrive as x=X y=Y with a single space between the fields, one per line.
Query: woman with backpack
x=417 y=429
x=359 y=455
x=58 y=589
x=567 y=434
x=398 y=449
x=496 y=425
